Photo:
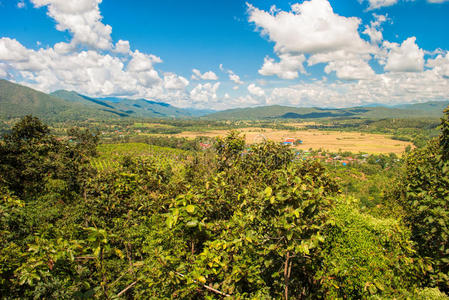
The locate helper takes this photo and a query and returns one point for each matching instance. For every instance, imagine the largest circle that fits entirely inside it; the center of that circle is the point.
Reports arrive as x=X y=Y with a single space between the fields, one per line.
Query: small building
x=345 y=163
x=205 y=146
x=289 y=141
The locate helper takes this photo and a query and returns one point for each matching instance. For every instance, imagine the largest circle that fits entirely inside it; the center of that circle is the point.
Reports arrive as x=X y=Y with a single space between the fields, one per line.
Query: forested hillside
x=17 y=101
x=422 y=110
x=230 y=221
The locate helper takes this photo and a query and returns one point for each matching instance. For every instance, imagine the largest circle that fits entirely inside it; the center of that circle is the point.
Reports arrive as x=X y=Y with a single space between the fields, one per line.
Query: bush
x=365 y=256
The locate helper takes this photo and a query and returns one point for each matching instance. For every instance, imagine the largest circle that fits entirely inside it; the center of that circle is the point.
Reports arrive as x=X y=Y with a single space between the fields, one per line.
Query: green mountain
x=17 y=101
x=143 y=108
x=421 y=110
x=140 y=108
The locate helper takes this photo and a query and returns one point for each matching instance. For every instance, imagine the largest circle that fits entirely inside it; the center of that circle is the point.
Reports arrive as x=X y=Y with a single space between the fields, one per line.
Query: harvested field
x=316 y=139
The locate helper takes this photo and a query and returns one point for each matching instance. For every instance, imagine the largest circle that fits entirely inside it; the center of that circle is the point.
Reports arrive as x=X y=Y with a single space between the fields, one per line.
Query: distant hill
x=137 y=108
x=143 y=108
x=420 y=110
x=17 y=101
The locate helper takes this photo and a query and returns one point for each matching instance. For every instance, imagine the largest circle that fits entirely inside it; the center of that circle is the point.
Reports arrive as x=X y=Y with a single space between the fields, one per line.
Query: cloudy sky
x=225 y=54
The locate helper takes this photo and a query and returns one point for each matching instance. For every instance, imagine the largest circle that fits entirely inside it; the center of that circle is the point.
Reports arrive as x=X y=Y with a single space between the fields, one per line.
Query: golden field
x=316 y=139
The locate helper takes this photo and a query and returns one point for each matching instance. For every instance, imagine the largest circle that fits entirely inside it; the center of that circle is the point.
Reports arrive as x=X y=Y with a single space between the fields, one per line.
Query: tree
x=26 y=156
x=424 y=197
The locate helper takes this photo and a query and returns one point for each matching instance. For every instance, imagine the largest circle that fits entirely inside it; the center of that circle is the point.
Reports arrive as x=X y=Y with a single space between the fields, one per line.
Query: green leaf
x=190 y=209
x=268 y=191
x=192 y=223
x=97 y=251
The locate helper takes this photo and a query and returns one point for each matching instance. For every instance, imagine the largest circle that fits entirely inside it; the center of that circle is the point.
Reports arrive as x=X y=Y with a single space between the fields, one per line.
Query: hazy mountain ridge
x=17 y=100
x=432 y=109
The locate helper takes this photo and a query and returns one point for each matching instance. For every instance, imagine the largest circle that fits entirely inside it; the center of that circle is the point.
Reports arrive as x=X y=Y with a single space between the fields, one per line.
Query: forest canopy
x=231 y=221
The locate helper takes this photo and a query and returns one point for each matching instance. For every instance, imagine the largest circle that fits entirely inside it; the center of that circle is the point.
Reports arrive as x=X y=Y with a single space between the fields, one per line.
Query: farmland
x=316 y=139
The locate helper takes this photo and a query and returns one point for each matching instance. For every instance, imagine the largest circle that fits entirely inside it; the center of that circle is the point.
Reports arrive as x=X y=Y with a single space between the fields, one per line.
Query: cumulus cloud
x=90 y=63
x=255 y=90
x=21 y=4
x=347 y=66
x=82 y=18
x=440 y=64
x=310 y=33
x=407 y=57
x=175 y=82
x=391 y=88
x=310 y=28
x=89 y=72
x=374 y=31
x=287 y=68
x=122 y=47
x=205 y=93
x=206 y=76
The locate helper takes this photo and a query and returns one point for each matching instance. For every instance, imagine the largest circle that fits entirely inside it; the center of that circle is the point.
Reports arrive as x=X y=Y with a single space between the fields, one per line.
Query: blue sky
x=224 y=54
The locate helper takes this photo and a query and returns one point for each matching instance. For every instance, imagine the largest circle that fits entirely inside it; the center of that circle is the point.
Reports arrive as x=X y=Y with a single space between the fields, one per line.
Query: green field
x=110 y=155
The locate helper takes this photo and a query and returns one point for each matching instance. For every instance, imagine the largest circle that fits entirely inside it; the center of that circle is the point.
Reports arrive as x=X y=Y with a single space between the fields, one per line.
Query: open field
x=315 y=139
x=110 y=155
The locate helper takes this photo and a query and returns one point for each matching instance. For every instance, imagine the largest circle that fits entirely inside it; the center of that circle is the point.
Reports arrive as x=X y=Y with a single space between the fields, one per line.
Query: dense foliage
x=424 y=196
x=246 y=222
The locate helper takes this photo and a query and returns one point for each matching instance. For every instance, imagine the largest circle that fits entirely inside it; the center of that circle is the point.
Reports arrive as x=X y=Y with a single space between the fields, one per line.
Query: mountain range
x=17 y=100
x=432 y=109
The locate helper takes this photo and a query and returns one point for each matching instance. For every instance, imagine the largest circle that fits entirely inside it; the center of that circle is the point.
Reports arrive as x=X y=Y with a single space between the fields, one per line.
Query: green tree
x=424 y=196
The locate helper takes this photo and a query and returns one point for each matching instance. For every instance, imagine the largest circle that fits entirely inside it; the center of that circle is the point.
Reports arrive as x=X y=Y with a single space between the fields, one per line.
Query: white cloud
x=287 y=68
x=407 y=57
x=255 y=90
x=307 y=35
x=235 y=78
x=374 y=31
x=12 y=50
x=374 y=4
x=142 y=62
x=350 y=69
x=232 y=76
x=440 y=64
x=205 y=93
x=347 y=66
x=88 y=72
x=122 y=47
x=389 y=88
x=206 y=76
x=82 y=18
x=312 y=28
x=175 y=82
x=21 y=4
